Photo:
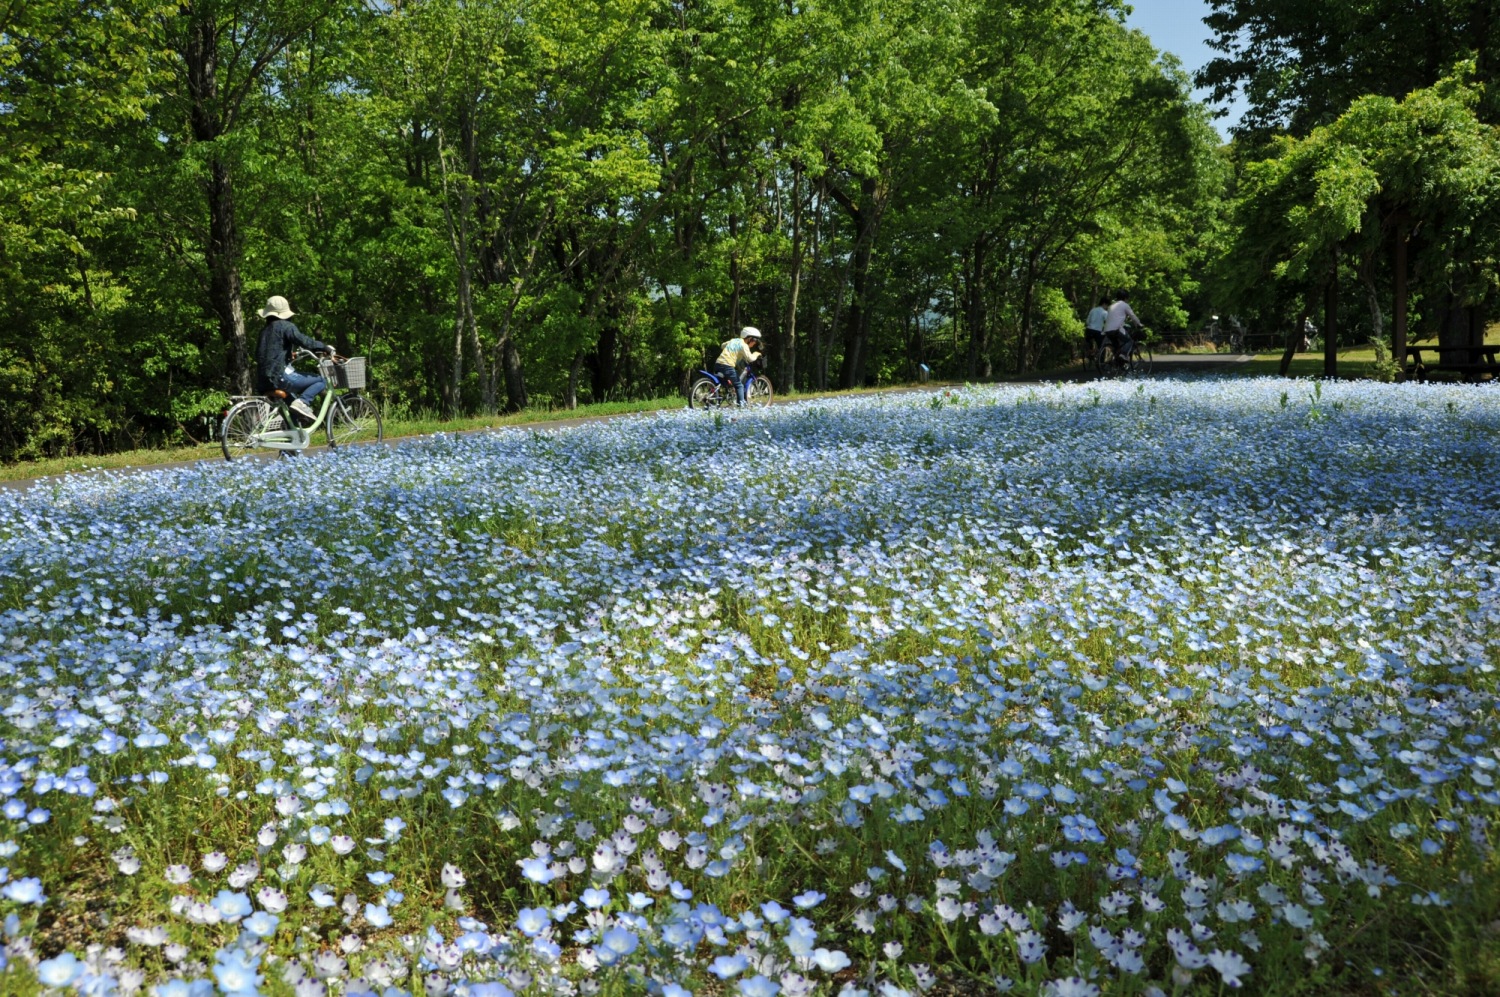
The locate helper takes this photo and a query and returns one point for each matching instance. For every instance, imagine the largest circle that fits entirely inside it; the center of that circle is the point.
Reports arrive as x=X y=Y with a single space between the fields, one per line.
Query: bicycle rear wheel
x=244 y=426
x=760 y=391
x=1140 y=363
x=702 y=394
x=354 y=419
x=1097 y=362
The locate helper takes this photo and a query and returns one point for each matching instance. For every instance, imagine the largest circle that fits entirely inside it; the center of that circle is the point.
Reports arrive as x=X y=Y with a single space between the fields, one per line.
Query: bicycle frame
x=722 y=384
x=296 y=437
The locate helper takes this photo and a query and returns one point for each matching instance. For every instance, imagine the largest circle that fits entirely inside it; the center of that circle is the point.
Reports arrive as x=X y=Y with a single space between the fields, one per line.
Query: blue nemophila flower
x=1243 y=865
x=27 y=890
x=1029 y=946
x=378 y=915
x=726 y=966
x=809 y=899
x=537 y=870
x=774 y=912
x=1230 y=966
x=1085 y=670
x=232 y=906
x=532 y=921
x=615 y=944
x=758 y=986
x=262 y=924
x=60 y=971
x=236 y=972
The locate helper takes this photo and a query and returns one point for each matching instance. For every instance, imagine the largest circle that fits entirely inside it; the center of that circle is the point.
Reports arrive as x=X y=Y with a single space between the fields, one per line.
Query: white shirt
x=1118 y=313
x=1096 y=318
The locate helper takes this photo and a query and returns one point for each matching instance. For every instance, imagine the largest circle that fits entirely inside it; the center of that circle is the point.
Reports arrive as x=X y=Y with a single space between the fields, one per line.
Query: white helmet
x=749 y=332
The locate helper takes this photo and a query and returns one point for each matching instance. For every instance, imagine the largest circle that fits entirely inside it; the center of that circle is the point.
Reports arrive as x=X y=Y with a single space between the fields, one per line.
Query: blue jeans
x=724 y=370
x=305 y=386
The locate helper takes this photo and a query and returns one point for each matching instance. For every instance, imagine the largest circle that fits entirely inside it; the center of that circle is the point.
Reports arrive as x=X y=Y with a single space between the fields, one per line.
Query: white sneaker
x=304 y=410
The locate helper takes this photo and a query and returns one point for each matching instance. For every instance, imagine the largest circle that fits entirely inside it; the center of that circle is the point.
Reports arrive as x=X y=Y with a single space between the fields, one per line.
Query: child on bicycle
x=1093 y=327
x=735 y=356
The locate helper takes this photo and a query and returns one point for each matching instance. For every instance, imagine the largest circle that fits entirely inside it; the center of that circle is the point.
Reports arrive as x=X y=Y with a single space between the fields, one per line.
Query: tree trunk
x=833 y=326
x=1331 y=320
x=605 y=372
x=1398 y=320
x=1293 y=341
x=200 y=55
x=1372 y=295
x=734 y=275
x=225 y=292
x=515 y=382
x=852 y=373
x=455 y=384
x=788 y=372
x=866 y=218
x=974 y=311
x=1023 y=341
x=820 y=369
x=570 y=399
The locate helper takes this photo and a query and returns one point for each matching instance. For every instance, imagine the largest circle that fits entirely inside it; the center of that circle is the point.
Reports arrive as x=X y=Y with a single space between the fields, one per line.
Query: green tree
x=1301 y=65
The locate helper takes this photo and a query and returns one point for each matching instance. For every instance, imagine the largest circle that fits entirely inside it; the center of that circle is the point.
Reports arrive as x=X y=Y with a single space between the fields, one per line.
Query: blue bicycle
x=710 y=390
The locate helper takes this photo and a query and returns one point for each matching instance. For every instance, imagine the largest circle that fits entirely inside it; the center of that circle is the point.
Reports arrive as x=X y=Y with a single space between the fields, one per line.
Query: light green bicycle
x=265 y=422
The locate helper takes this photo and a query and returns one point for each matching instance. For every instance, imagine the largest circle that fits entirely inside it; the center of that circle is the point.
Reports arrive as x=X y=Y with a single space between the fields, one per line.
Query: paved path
x=1176 y=363
x=1181 y=364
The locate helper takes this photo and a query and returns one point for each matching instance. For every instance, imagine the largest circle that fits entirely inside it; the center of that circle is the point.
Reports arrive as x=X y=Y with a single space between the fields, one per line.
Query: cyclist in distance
x=1093 y=327
x=1114 y=327
x=273 y=358
x=735 y=356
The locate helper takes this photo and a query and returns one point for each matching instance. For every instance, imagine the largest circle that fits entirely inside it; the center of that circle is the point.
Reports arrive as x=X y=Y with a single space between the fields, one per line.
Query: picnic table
x=1466 y=361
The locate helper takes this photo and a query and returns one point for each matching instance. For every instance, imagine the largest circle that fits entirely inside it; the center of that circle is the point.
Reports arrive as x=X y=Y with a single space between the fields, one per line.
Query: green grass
x=1354 y=364
x=416 y=424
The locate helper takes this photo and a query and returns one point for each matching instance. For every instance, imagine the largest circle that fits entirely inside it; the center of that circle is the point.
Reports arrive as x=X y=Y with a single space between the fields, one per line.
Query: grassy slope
x=394 y=429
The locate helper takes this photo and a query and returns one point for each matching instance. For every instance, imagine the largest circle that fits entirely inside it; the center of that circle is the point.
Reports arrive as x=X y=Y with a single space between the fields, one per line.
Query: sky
x=1177 y=26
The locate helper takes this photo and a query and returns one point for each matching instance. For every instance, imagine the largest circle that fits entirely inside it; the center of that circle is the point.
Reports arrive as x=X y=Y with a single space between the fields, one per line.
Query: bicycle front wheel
x=354 y=419
x=244 y=426
x=760 y=391
x=702 y=393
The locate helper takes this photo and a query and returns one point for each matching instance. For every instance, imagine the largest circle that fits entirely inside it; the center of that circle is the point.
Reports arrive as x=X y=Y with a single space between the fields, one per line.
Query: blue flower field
x=1130 y=688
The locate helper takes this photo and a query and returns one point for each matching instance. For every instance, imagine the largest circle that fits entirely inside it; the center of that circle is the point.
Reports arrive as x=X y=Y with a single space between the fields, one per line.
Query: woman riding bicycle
x=273 y=358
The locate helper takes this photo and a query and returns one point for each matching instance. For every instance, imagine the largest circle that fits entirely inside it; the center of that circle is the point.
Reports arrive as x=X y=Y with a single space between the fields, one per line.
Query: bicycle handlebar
x=332 y=354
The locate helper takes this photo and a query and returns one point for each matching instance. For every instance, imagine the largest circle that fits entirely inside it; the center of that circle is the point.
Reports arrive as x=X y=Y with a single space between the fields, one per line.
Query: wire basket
x=349 y=374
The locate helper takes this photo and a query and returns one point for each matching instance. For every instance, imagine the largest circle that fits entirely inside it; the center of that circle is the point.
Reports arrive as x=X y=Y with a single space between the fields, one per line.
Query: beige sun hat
x=277 y=305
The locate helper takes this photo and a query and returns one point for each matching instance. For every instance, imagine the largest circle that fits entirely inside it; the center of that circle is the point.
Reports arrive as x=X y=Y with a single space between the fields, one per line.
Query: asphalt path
x=1175 y=364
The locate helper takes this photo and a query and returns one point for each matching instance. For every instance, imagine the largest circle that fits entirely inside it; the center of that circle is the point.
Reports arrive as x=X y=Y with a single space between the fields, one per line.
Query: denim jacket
x=274 y=352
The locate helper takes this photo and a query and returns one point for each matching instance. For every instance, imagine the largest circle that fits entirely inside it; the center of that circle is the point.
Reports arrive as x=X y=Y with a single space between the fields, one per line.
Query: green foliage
x=1427 y=158
x=508 y=203
x=1384 y=369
